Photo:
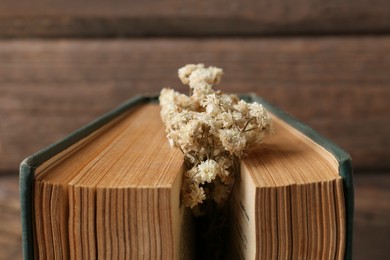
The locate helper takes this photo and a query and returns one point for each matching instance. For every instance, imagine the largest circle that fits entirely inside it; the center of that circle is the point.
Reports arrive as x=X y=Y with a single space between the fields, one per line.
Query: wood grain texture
x=10 y=227
x=371 y=227
x=45 y=18
x=338 y=85
x=372 y=216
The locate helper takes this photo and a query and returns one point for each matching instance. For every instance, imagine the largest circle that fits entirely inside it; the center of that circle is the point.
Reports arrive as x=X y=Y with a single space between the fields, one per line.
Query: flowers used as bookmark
x=213 y=130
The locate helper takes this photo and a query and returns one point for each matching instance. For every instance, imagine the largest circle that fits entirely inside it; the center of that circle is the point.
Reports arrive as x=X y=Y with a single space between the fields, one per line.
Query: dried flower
x=213 y=130
x=194 y=196
x=233 y=140
x=208 y=170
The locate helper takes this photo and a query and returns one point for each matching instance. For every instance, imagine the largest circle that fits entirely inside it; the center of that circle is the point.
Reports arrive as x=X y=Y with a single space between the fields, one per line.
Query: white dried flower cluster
x=213 y=130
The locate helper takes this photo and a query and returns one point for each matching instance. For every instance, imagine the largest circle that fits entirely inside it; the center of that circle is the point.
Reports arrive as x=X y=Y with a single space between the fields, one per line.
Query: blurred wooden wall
x=62 y=63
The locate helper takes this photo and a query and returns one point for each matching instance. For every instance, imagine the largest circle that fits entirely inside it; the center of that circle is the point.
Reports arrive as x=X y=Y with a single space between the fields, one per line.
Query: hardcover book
x=112 y=190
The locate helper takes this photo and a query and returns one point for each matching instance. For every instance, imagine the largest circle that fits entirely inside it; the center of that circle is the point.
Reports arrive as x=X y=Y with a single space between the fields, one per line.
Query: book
x=112 y=190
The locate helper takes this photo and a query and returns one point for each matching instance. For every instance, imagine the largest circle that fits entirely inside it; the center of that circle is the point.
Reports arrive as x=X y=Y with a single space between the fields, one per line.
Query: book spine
x=345 y=171
x=26 y=177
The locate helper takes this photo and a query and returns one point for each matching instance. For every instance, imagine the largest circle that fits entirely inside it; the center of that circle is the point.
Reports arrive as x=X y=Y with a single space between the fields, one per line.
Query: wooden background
x=62 y=63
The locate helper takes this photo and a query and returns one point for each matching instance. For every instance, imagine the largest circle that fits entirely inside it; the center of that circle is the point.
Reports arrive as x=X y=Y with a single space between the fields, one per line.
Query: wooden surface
x=46 y=18
x=338 y=85
x=371 y=230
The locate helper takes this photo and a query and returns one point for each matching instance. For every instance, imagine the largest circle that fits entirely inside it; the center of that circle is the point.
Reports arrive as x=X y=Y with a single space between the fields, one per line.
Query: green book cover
x=28 y=166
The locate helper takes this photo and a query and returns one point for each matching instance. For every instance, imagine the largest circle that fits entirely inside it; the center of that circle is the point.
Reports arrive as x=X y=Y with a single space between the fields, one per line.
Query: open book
x=112 y=190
